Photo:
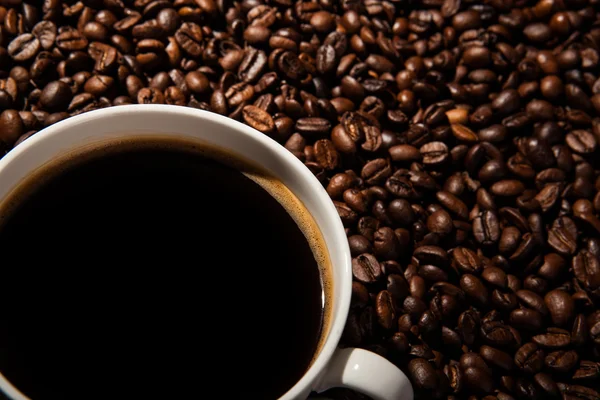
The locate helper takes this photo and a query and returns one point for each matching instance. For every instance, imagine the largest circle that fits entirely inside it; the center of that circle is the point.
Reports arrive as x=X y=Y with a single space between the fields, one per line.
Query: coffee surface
x=153 y=272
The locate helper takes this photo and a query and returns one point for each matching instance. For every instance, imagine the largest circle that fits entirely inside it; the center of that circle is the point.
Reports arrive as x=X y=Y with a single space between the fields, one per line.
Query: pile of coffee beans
x=459 y=140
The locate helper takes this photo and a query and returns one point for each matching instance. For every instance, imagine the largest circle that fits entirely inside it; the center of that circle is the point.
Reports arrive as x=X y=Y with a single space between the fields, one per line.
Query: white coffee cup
x=357 y=369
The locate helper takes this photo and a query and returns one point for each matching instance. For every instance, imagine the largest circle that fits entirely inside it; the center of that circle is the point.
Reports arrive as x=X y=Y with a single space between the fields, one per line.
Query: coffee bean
x=150 y=96
x=431 y=255
x=105 y=57
x=46 y=32
x=581 y=141
x=547 y=384
x=485 y=228
x=440 y=223
x=414 y=307
x=561 y=306
x=529 y=358
x=587 y=370
x=11 y=127
x=24 y=47
x=498 y=334
x=422 y=374
x=496 y=357
x=434 y=153
x=474 y=289
x=554 y=339
x=56 y=96
x=532 y=300
x=71 y=40
x=495 y=276
x=326 y=154
x=404 y=153
x=386 y=243
x=366 y=268
x=257 y=118
x=562 y=237
x=507 y=188
x=466 y=260
x=338 y=183
x=478 y=380
x=453 y=203
x=586 y=268
x=577 y=391
x=323 y=21
x=238 y=94
x=561 y=361
x=464 y=134
x=98 y=85
x=385 y=308
x=313 y=126
x=526 y=319
x=189 y=37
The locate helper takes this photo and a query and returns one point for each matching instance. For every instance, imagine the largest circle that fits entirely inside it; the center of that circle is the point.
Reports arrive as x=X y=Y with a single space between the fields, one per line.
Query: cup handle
x=367 y=373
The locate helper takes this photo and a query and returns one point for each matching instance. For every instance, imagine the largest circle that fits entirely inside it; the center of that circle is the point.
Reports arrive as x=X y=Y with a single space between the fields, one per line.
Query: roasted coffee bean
x=189 y=37
x=546 y=384
x=71 y=39
x=532 y=300
x=440 y=223
x=453 y=203
x=498 y=334
x=527 y=319
x=474 y=289
x=385 y=309
x=554 y=338
x=581 y=141
x=486 y=228
x=478 y=380
x=507 y=188
x=150 y=96
x=579 y=332
x=238 y=94
x=376 y=171
x=105 y=57
x=46 y=32
x=562 y=236
x=434 y=153
x=466 y=260
x=313 y=126
x=468 y=326
x=561 y=361
x=386 y=244
x=587 y=370
x=11 y=127
x=24 y=47
x=98 y=85
x=529 y=358
x=56 y=96
x=496 y=357
x=586 y=268
x=366 y=268
x=431 y=255
x=256 y=118
x=561 y=306
x=398 y=288
x=422 y=374
x=414 y=307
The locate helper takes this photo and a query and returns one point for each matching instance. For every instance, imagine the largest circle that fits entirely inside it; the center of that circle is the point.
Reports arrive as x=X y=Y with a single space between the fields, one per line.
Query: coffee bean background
x=458 y=140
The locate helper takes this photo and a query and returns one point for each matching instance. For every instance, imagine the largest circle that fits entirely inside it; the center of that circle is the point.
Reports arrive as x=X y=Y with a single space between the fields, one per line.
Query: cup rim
x=339 y=312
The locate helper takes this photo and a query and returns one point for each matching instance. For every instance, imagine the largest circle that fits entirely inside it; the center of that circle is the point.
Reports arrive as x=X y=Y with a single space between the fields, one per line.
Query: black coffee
x=147 y=270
